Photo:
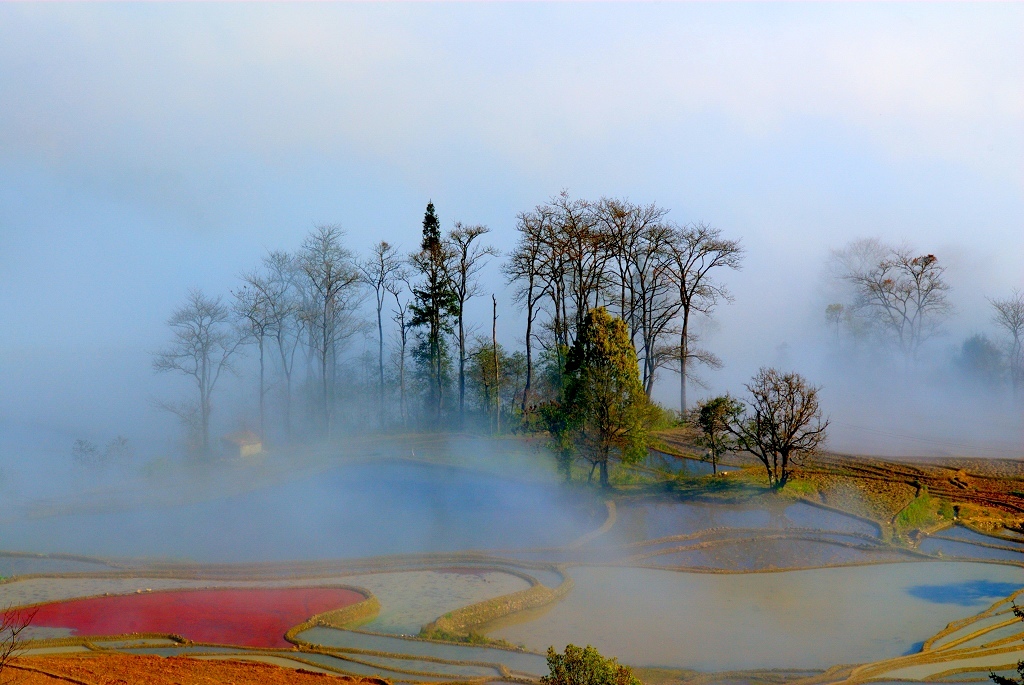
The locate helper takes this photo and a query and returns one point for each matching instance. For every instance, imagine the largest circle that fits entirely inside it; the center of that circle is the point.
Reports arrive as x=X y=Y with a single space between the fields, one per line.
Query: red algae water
x=257 y=617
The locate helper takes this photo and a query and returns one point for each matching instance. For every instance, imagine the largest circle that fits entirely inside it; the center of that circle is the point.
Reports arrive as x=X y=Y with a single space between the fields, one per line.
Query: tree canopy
x=712 y=419
x=604 y=399
x=585 y=666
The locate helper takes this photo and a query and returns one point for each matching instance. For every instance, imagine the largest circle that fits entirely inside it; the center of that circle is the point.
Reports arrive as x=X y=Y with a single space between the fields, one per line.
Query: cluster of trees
x=899 y=297
x=573 y=255
x=88 y=455
x=299 y=312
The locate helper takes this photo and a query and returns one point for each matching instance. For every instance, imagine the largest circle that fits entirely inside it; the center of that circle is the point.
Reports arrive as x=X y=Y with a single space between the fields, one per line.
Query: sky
x=149 y=148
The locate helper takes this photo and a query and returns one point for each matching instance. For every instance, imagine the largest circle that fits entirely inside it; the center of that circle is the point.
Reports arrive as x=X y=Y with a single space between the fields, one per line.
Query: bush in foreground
x=585 y=666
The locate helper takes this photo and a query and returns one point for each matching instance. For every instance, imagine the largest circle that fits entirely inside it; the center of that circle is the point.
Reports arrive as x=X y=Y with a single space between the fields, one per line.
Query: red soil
x=122 y=669
x=254 y=618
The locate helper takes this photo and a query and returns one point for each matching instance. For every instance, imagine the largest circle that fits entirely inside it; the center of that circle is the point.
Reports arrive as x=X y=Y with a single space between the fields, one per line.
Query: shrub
x=916 y=514
x=585 y=666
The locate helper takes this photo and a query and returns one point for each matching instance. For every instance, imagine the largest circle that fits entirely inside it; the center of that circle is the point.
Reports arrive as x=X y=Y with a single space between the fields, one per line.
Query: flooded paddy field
x=647 y=520
x=408 y=599
x=657 y=580
x=255 y=617
x=385 y=507
x=799 y=619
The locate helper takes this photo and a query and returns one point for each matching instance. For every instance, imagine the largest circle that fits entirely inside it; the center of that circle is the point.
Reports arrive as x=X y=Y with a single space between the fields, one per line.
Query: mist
x=149 y=149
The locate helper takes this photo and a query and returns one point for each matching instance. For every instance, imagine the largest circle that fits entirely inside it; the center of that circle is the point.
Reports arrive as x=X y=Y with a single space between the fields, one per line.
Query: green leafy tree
x=433 y=310
x=712 y=419
x=585 y=666
x=604 y=399
x=495 y=388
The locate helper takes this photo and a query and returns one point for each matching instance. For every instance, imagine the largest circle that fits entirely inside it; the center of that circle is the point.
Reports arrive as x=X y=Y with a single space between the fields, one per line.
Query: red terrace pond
x=257 y=617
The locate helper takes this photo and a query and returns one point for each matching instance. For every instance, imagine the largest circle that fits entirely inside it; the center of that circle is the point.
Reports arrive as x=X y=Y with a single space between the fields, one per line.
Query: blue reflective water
x=967 y=593
x=914 y=648
x=679 y=465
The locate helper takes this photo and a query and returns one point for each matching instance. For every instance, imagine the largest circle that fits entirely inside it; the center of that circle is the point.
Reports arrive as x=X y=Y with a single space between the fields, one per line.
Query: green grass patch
x=801 y=488
x=470 y=638
x=729 y=488
x=922 y=512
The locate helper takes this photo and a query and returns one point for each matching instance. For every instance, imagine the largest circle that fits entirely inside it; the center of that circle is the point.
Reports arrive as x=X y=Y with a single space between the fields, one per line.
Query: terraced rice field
x=656 y=581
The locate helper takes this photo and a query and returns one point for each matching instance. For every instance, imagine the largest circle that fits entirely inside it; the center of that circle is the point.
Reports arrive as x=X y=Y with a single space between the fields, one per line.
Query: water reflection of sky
x=387 y=507
x=967 y=593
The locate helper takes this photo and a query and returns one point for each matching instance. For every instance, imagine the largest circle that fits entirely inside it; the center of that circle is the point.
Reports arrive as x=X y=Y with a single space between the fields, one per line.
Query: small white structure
x=242 y=444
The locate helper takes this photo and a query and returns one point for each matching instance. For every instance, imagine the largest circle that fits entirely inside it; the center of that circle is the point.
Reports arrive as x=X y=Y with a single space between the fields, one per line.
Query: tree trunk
x=263 y=396
x=204 y=411
x=287 y=388
x=437 y=371
x=323 y=384
x=604 y=472
x=380 y=362
x=462 y=368
x=529 y=351
x=401 y=382
x=494 y=352
x=683 y=358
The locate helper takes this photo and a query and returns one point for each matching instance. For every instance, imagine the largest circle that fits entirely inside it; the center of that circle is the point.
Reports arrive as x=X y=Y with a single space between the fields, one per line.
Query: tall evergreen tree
x=604 y=398
x=433 y=309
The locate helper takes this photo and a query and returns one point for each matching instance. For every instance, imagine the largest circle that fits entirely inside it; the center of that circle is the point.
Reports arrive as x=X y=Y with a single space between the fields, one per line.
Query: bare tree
x=525 y=270
x=468 y=257
x=1009 y=316
x=698 y=251
x=585 y=248
x=13 y=623
x=284 y=306
x=902 y=295
x=496 y=361
x=834 y=316
x=628 y=229
x=203 y=345
x=784 y=423
x=255 y=314
x=333 y=283
x=401 y=316
x=380 y=272
x=654 y=298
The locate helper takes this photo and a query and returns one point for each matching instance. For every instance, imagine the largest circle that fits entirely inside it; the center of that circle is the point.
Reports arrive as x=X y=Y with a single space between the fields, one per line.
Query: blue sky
x=147 y=148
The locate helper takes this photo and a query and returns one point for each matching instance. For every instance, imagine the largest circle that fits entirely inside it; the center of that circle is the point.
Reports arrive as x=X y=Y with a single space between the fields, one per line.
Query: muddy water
x=796 y=619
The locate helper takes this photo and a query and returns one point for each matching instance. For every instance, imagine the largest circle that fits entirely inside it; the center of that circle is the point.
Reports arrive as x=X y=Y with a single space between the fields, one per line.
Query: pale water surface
x=795 y=619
